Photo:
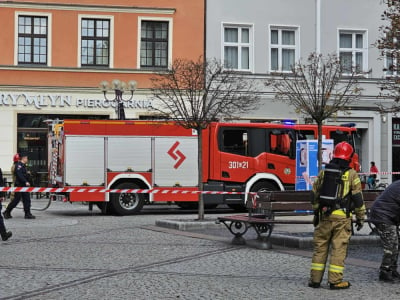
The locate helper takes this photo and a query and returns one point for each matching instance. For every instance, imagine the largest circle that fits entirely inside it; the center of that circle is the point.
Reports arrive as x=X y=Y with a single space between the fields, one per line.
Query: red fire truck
x=133 y=154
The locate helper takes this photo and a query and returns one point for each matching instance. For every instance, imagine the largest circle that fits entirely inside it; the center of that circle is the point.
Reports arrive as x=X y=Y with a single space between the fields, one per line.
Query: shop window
x=32 y=140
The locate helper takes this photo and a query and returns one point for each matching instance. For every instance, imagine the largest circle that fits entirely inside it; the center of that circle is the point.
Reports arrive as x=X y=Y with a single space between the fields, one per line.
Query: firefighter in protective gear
x=16 y=159
x=333 y=229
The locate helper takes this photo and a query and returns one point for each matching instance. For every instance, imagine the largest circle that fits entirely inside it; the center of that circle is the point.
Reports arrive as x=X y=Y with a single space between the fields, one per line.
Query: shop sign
x=396 y=132
x=40 y=101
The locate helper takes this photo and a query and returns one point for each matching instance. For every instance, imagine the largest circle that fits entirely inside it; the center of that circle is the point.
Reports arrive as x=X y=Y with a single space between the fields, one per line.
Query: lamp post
x=119 y=87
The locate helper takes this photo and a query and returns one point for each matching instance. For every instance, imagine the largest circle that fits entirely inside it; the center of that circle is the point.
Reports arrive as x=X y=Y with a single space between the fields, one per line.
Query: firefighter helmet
x=343 y=150
x=16 y=157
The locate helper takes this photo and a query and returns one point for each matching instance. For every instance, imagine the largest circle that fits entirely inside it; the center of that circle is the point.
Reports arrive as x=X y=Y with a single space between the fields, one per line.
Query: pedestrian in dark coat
x=5 y=235
x=22 y=179
x=385 y=215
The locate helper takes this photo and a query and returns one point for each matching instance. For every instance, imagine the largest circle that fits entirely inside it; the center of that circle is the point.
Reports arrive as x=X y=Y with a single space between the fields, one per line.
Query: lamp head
x=104 y=86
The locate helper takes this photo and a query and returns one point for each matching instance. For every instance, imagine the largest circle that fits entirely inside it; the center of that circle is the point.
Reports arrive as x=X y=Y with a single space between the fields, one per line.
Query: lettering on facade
x=396 y=133
x=40 y=101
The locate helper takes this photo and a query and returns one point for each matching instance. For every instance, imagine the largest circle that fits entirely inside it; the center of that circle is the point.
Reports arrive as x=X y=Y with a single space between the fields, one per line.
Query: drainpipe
x=318 y=26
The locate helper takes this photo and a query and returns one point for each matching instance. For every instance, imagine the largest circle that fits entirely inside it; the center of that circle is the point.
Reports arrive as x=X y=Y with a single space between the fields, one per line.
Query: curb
x=293 y=241
x=284 y=239
x=188 y=224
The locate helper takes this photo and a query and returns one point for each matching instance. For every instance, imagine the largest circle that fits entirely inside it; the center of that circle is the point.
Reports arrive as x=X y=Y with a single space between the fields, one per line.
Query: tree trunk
x=319 y=146
x=200 y=171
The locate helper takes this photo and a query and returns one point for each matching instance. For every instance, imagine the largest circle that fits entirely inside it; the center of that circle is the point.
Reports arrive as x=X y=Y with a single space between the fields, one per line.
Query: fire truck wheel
x=127 y=203
x=263 y=186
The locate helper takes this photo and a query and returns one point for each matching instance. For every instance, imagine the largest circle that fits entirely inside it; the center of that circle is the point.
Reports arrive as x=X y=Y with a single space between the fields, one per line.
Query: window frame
x=280 y=46
x=170 y=41
x=239 y=44
x=48 y=37
x=353 y=49
x=395 y=60
x=110 y=39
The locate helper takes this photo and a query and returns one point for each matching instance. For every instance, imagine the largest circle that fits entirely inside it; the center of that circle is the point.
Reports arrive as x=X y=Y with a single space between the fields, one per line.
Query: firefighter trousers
x=333 y=232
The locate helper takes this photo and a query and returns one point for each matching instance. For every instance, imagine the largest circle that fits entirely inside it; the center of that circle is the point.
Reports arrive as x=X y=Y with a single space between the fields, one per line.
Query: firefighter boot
x=395 y=274
x=386 y=275
x=314 y=285
x=29 y=216
x=340 y=285
x=5 y=235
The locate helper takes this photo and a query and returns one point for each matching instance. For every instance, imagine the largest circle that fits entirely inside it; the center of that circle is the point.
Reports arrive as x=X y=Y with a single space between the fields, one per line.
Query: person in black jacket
x=385 y=215
x=5 y=235
x=22 y=179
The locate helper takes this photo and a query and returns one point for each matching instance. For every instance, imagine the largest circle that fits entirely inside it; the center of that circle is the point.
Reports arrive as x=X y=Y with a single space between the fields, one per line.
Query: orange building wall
x=187 y=41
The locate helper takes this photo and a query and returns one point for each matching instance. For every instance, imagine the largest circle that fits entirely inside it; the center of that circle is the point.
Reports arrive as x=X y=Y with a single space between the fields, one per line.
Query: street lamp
x=119 y=88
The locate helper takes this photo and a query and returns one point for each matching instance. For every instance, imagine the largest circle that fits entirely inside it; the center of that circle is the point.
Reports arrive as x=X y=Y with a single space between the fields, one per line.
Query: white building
x=263 y=37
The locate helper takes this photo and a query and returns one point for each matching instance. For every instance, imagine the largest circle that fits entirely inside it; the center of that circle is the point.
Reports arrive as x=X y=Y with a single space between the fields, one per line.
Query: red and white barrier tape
x=379 y=173
x=103 y=190
x=366 y=173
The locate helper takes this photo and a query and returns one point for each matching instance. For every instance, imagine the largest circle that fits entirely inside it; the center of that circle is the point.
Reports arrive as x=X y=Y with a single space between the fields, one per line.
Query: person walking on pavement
x=21 y=180
x=337 y=192
x=5 y=235
x=15 y=161
x=372 y=176
x=385 y=215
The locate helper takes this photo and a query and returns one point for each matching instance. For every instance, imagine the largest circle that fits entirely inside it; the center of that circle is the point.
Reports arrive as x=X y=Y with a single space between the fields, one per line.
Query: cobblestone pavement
x=71 y=253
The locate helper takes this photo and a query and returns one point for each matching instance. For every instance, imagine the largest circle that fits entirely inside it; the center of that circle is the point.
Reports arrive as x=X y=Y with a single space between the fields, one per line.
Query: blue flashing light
x=348 y=125
x=288 y=122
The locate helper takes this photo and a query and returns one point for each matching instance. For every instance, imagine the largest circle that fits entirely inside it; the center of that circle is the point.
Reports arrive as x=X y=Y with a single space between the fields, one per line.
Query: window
x=281 y=143
x=237 y=47
x=95 y=42
x=154 y=44
x=353 y=51
x=235 y=141
x=283 y=49
x=32 y=40
x=391 y=64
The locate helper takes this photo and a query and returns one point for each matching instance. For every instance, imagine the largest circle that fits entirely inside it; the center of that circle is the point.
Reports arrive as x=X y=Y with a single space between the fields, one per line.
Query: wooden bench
x=264 y=207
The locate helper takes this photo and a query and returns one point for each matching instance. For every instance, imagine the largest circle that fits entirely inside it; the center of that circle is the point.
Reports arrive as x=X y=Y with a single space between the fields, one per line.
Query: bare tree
x=196 y=93
x=389 y=47
x=318 y=89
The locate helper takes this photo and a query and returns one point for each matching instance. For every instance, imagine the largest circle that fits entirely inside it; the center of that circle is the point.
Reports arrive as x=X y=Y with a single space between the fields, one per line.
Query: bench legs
x=239 y=228
x=263 y=234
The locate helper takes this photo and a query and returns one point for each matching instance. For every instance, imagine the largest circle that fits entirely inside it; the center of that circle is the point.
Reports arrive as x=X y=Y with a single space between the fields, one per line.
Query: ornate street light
x=119 y=87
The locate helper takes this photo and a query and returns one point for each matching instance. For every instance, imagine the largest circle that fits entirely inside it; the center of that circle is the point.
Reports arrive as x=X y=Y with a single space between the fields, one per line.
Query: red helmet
x=16 y=157
x=343 y=150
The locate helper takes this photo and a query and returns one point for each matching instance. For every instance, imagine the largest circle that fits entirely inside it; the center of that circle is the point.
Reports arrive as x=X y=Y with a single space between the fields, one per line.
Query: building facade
x=54 y=54
x=265 y=37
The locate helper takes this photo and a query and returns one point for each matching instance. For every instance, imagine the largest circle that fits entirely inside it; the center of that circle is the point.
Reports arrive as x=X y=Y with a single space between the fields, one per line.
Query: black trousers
x=2 y=226
x=26 y=201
